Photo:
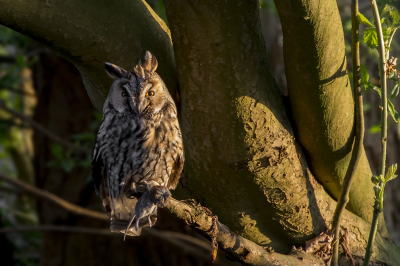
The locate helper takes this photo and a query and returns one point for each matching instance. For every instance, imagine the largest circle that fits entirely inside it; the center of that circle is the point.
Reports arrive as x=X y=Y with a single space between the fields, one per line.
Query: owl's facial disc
x=152 y=97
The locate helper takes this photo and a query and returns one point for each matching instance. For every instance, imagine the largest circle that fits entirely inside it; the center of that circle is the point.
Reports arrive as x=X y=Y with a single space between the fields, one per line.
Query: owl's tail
x=120 y=209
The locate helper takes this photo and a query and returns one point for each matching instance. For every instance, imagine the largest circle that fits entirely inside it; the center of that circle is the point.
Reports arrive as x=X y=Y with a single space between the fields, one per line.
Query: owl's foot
x=136 y=190
x=159 y=196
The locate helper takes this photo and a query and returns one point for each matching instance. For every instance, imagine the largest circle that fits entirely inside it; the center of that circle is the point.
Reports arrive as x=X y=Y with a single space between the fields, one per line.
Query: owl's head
x=140 y=92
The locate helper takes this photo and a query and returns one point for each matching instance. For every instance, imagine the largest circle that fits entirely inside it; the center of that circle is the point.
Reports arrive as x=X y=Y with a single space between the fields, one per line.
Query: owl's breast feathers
x=130 y=149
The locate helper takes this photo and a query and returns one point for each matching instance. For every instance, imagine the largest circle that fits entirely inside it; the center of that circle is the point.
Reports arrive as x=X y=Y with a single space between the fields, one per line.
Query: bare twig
x=241 y=249
x=45 y=195
x=43 y=130
x=359 y=134
x=106 y=232
x=214 y=228
x=56 y=228
x=382 y=168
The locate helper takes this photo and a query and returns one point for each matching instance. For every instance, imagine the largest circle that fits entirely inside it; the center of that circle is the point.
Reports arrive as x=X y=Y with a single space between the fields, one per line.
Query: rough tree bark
x=242 y=159
x=321 y=98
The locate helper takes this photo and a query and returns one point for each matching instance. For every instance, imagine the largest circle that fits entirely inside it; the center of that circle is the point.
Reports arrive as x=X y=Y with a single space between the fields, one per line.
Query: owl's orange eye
x=123 y=94
x=150 y=93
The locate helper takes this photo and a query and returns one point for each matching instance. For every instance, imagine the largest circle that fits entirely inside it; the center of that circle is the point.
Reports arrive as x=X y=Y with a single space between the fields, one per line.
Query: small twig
x=359 y=134
x=94 y=231
x=45 y=195
x=384 y=113
x=344 y=241
x=56 y=228
x=214 y=232
x=43 y=130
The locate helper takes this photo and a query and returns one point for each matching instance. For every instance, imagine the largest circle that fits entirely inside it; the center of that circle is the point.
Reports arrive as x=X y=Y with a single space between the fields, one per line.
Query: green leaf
x=56 y=150
x=370 y=37
x=391 y=171
x=376 y=179
x=393 y=112
x=391 y=178
x=364 y=75
x=363 y=20
x=375 y=88
x=386 y=34
x=391 y=15
x=393 y=76
x=375 y=129
x=395 y=91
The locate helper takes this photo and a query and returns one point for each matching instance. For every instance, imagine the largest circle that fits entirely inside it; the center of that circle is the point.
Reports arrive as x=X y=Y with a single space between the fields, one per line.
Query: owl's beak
x=142 y=106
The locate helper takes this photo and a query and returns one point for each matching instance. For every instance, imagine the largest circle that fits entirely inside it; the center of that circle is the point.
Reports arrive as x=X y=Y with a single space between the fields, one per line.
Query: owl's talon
x=137 y=224
x=149 y=220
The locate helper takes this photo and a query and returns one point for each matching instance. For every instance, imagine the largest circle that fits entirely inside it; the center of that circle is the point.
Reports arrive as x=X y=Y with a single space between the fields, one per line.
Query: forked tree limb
x=239 y=248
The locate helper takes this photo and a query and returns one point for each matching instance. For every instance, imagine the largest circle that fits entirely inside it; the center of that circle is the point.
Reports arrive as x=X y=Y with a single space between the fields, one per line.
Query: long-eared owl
x=138 y=153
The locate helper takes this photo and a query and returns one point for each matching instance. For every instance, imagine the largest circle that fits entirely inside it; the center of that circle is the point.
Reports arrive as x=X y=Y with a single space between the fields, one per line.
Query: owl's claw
x=149 y=220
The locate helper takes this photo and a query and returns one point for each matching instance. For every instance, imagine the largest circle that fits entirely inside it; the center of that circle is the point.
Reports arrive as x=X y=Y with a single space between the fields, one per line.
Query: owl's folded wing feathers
x=176 y=170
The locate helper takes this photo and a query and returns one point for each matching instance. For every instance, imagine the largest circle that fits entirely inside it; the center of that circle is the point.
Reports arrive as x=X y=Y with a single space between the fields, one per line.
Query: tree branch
x=88 y=35
x=47 y=196
x=43 y=130
x=321 y=97
x=56 y=228
x=240 y=248
x=243 y=250
x=359 y=136
x=169 y=237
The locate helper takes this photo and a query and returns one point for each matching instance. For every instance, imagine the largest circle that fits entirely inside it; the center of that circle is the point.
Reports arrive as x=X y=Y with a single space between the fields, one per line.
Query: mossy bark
x=321 y=97
x=90 y=33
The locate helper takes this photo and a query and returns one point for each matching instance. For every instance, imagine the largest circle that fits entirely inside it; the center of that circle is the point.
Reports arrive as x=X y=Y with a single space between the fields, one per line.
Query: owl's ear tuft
x=149 y=62
x=115 y=72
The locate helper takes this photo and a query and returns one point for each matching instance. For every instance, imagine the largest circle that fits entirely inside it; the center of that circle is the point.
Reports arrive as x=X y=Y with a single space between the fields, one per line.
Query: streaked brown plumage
x=138 y=148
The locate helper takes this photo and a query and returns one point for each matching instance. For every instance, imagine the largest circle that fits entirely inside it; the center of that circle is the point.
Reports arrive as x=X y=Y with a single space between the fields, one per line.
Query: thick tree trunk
x=242 y=160
x=321 y=98
x=241 y=156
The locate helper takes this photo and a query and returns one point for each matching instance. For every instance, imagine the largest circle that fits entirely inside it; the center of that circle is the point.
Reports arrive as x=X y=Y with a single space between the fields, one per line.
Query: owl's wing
x=97 y=166
x=176 y=170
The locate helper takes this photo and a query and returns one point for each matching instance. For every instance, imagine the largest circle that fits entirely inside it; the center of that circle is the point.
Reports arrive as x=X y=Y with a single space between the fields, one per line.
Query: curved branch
x=43 y=130
x=169 y=237
x=240 y=248
x=89 y=34
x=56 y=228
x=45 y=195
